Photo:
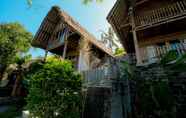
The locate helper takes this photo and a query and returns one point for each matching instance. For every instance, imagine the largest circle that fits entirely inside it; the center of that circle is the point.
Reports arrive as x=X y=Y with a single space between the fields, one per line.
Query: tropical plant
x=153 y=97
x=178 y=65
x=173 y=61
x=126 y=70
x=54 y=90
x=19 y=68
x=20 y=61
x=119 y=52
x=109 y=38
x=170 y=56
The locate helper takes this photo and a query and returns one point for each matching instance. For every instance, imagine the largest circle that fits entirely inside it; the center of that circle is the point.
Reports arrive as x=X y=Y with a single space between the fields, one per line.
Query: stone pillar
x=132 y=21
x=116 y=104
x=98 y=103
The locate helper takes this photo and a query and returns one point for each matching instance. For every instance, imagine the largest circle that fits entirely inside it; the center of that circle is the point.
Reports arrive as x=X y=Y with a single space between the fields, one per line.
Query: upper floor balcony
x=101 y=76
x=172 y=12
x=155 y=53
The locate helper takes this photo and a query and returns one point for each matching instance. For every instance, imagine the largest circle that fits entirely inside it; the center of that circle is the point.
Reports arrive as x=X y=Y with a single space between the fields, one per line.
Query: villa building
x=61 y=35
x=149 y=29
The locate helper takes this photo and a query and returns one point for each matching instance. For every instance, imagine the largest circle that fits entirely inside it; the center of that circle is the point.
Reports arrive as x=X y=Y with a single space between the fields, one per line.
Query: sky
x=91 y=16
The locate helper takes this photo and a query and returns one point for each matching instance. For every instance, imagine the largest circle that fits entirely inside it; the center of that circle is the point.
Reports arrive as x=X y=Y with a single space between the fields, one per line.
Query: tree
x=14 y=40
x=88 y=1
x=20 y=61
x=21 y=65
x=109 y=38
x=29 y=2
x=119 y=52
x=54 y=90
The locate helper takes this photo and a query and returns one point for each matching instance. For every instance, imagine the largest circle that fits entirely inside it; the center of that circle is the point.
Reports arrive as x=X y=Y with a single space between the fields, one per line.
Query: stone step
x=5 y=91
x=9 y=100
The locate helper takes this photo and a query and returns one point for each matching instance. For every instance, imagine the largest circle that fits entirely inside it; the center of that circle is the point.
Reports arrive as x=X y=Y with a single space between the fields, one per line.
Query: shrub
x=54 y=90
x=170 y=56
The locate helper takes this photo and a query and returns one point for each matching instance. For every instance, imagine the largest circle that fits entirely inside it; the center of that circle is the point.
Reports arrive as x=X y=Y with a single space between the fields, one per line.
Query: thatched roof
x=54 y=16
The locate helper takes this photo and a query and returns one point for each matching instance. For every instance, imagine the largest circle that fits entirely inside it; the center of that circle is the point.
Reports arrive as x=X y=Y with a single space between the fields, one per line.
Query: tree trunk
x=17 y=83
x=46 y=54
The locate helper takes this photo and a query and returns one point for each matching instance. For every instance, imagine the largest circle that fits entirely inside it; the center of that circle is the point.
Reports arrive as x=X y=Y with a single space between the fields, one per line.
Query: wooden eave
x=73 y=25
x=118 y=19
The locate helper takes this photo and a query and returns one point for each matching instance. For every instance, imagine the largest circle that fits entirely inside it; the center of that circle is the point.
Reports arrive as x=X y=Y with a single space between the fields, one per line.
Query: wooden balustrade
x=96 y=76
x=130 y=58
x=161 y=14
x=160 y=51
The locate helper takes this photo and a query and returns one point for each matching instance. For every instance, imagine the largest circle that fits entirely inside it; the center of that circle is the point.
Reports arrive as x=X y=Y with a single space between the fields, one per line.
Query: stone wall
x=176 y=82
x=178 y=88
x=98 y=102
x=121 y=99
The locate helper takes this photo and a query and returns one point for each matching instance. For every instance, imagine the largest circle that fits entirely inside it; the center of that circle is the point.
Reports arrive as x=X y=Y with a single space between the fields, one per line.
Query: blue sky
x=91 y=16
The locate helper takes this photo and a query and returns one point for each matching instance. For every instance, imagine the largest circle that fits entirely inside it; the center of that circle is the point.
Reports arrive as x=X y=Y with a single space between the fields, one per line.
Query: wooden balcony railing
x=99 y=76
x=174 y=10
x=180 y=48
x=160 y=52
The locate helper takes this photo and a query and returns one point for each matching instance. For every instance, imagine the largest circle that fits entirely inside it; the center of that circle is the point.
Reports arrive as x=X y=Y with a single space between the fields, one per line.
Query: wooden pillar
x=46 y=54
x=65 y=49
x=132 y=21
x=79 y=60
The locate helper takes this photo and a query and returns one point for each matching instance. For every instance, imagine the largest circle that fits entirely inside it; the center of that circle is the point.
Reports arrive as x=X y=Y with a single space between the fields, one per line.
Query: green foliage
x=54 y=90
x=155 y=98
x=88 y=1
x=179 y=65
x=22 y=59
x=29 y=2
x=14 y=40
x=127 y=70
x=170 y=56
x=119 y=52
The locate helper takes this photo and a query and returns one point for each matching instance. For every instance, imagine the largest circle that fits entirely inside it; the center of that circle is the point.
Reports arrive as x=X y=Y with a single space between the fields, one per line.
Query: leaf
x=29 y=2
x=52 y=89
x=14 y=40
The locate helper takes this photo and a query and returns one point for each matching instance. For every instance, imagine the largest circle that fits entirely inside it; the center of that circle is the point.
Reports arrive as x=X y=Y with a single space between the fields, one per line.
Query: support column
x=65 y=49
x=79 y=60
x=46 y=53
x=132 y=21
